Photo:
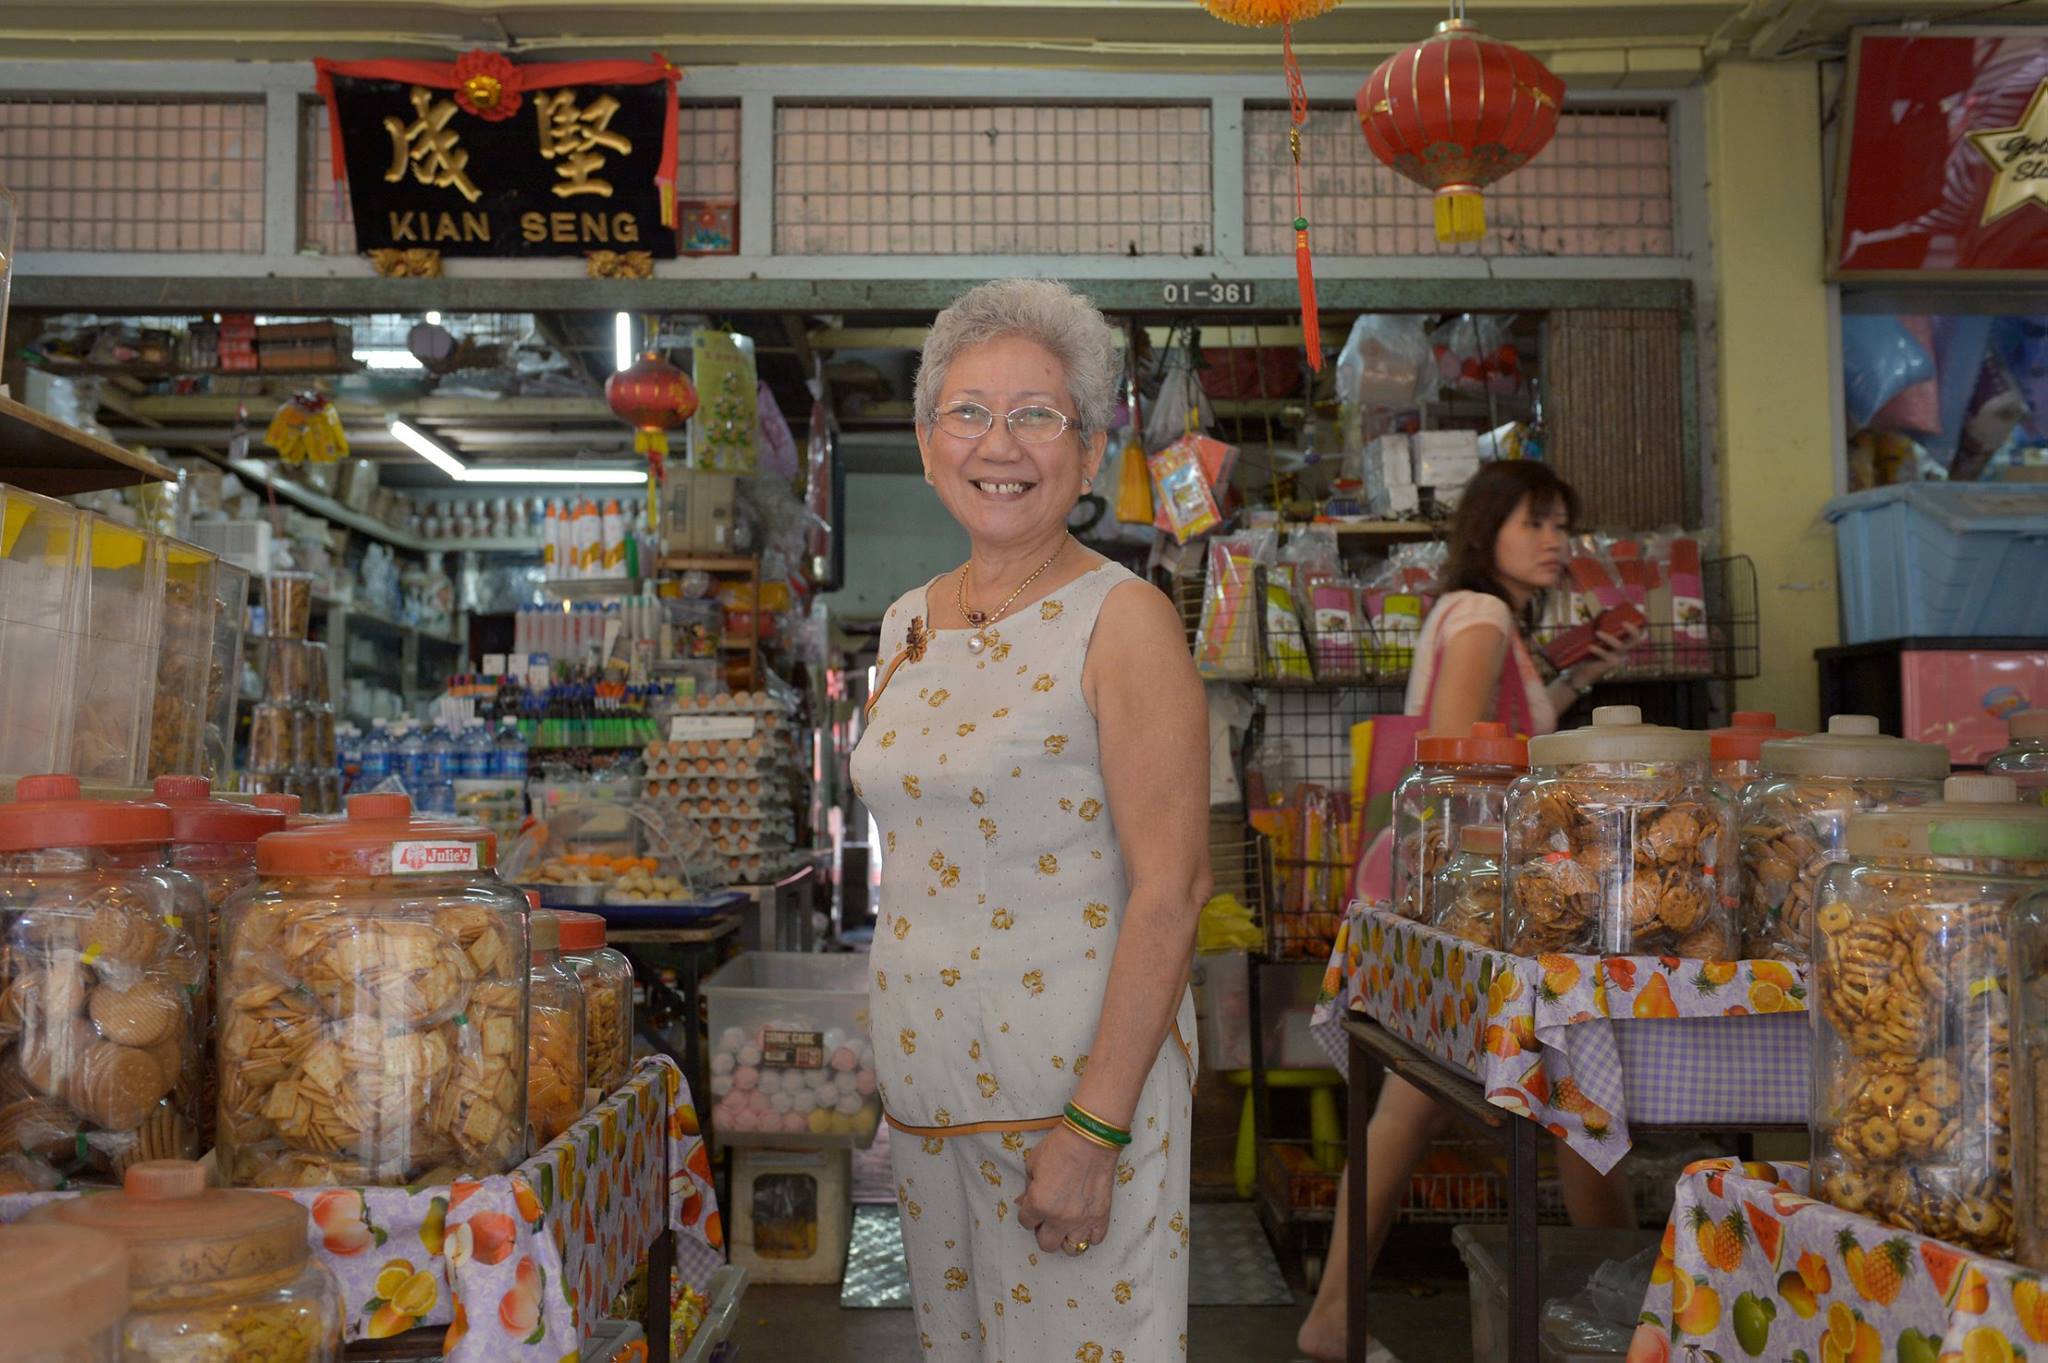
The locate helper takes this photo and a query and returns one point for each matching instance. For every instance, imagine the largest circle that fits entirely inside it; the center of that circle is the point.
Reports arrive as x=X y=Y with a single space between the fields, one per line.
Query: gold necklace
x=981 y=620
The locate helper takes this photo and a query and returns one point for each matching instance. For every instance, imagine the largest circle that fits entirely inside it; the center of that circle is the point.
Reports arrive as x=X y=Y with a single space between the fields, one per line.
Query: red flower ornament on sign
x=487 y=85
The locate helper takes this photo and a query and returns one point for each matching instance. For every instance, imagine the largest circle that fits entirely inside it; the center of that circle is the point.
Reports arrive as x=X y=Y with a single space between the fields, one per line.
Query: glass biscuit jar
x=63 y=1293
x=373 y=991
x=1619 y=842
x=1912 y=1113
x=1737 y=748
x=101 y=984
x=1794 y=820
x=216 y=1275
x=607 y=979
x=1466 y=900
x=2025 y=759
x=554 y=1036
x=2030 y=1078
x=1455 y=781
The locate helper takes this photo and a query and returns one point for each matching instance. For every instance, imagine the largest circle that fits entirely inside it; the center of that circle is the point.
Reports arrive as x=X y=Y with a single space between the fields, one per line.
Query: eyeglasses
x=1034 y=425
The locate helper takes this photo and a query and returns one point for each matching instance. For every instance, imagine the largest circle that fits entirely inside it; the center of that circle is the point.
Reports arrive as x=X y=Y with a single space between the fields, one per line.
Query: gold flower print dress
x=1003 y=890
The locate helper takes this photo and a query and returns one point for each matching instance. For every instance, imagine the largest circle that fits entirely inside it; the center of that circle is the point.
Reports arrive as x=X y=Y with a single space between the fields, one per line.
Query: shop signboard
x=1944 y=167
x=485 y=157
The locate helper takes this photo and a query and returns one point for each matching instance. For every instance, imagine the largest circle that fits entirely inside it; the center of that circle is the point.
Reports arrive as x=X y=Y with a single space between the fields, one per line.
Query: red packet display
x=1688 y=605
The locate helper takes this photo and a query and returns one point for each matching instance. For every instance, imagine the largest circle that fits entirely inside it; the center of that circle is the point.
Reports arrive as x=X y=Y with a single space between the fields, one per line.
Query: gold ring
x=1076 y=1247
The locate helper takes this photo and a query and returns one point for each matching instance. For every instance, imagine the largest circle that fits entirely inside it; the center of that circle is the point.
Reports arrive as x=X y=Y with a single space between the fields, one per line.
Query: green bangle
x=1095 y=1126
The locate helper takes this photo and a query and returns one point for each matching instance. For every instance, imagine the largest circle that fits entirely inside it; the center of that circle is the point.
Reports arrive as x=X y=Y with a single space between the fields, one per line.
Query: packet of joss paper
x=1180 y=489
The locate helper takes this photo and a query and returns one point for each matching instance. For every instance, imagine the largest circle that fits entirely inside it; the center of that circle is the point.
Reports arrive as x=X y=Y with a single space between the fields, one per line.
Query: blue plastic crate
x=1924 y=560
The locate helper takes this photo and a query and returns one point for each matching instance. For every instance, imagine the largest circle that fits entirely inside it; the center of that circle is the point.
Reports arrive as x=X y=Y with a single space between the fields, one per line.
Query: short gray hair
x=1044 y=311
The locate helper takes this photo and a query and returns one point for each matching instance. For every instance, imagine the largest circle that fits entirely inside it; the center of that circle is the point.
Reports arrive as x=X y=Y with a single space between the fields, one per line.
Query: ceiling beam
x=1781 y=32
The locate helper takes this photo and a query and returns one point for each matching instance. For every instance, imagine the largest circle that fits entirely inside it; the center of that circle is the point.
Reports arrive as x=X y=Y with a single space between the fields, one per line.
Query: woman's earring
x=1087 y=485
x=930 y=481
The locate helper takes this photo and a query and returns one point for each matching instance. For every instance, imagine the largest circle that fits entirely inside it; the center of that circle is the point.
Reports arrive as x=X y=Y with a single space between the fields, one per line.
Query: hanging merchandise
x=1183 y=491
x=1498 y=107
x=1181 y=406
x=654 y=397
x=722 y=432
x=1264 y=14
x=307 y=428
x=1134 y=480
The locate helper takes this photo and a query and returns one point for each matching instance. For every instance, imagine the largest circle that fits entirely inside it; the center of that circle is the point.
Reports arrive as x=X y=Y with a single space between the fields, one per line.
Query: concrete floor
x=1426 y=1323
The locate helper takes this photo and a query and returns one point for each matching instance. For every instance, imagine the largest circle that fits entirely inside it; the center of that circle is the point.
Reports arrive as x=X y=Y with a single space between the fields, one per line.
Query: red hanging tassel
x=1304 y=265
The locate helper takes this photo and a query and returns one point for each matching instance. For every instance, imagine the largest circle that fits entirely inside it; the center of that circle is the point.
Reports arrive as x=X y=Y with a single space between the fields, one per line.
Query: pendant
x=976 y=642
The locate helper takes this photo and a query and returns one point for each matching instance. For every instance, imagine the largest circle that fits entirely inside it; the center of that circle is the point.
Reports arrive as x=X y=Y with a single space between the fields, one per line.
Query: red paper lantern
x=1456 y=112
x=654 y=397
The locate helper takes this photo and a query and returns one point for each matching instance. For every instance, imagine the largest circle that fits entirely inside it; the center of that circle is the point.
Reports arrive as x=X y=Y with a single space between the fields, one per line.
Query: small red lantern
x=654 y=397
x=1456 y=112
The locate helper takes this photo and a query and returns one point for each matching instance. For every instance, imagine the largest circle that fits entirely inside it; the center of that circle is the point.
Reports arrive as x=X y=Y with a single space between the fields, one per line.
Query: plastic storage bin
x=1941 y=559
x=791 y=1063
x=63 y=1293
x=42 y=587
x=215 y=1274
x=792 y=1214
x=1566 y=1259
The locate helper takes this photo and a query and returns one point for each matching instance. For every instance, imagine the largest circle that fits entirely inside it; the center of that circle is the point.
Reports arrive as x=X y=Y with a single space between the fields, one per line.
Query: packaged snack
x=606 y=977
x=1339 y=631
x=1226 y=646
x=1617 y=842
x=1181 y=490
x=1913 y=1068
x=1286 y=648
x=1794 y=819
x=1466 y=899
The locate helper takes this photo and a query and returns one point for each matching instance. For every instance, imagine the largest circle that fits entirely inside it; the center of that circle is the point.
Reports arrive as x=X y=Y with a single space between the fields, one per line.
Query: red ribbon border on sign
x=538 y=76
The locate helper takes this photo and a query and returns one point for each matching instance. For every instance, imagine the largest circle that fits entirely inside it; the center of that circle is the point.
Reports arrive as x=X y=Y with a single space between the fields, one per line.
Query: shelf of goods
x=274 y=478
x=730 y=566
x=42 y=454
x=729 y=764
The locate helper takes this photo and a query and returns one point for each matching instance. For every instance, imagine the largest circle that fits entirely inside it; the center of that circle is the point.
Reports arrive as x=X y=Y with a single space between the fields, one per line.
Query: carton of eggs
x=756 y=1088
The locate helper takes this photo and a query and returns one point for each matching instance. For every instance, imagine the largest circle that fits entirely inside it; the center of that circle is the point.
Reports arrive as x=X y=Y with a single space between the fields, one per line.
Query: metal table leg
x=1523 y=1245
x=1360 y=1114
x=654 y=1319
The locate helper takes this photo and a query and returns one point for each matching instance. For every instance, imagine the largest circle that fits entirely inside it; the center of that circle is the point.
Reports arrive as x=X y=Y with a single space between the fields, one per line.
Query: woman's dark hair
x=1487 y=502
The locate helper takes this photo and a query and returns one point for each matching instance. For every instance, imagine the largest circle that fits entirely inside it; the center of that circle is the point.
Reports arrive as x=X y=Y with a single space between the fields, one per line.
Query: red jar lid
x=1744 y=738
x=197 y=817
x=580 y=931
x=279 y=802
x=1487 y=745
x=379 y=838
x=48 y=811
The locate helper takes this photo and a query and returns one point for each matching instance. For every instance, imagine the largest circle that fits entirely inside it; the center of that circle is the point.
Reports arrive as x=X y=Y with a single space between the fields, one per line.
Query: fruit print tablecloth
x=1752 y=1268
x=1582 y=1044
x=519 y=1266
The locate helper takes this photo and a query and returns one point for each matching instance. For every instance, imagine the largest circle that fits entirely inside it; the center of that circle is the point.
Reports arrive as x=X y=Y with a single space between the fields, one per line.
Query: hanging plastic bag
x=1181 y=407
x=1133 y=484
x=1386 y=361
x=1881 y=358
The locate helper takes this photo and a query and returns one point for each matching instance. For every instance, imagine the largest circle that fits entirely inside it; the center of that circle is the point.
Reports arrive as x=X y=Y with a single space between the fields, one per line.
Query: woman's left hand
x=1609 y=651
x=1068 y=1184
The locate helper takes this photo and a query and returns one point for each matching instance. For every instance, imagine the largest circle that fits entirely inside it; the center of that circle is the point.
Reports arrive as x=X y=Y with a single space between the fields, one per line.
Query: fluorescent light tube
x=569 y=474
x=388 y=359
x=622 y=341
x=433 y=318
x=426 y=449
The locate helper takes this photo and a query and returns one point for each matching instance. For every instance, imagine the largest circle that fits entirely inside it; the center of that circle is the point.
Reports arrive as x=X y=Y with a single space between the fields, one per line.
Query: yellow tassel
x=1460 y=215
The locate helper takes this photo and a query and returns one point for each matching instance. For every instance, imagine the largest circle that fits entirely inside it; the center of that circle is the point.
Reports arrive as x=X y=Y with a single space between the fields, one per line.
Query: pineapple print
x=1048 y=864
x=1721 y=1242
x=1049 y=610
x=1560 y=974
x=1055 y=744
x=988 y=1086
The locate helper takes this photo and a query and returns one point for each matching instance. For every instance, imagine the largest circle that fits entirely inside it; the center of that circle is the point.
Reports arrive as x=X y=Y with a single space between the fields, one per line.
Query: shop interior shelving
x=38 y=453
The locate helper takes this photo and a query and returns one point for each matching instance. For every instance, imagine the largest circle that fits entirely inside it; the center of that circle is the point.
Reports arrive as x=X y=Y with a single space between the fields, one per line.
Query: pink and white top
x=1456 y=612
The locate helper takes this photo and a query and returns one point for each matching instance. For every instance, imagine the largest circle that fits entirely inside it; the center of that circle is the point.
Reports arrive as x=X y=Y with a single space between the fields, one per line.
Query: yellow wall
x=1767 y=205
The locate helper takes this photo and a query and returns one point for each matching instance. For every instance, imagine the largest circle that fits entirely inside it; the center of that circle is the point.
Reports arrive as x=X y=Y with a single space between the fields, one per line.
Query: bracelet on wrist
x=1090 y=1124
x=1089 y=1136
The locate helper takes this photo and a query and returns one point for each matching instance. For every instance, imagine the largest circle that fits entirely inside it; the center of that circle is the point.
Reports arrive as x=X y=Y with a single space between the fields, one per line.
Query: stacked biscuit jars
x=1619 y=842
x=554 y=1037
x=1466 y=899
x=213 y=1276
x=373 y=994
x=101 y=1019
x=607 y=979
x=1737 y=749
x=1912 y=1072
x=1455 y=781
x=63 y=1293
x=1794 y=820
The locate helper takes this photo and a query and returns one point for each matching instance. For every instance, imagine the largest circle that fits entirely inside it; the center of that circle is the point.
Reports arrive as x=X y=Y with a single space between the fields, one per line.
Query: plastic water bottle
x=412 y=763
x=376 y=758
x=348 y=751
x=441 y=770
x=477 y=758
x=510 y=753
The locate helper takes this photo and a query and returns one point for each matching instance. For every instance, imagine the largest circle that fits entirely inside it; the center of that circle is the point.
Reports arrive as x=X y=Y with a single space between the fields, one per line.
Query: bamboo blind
x=1616 y=423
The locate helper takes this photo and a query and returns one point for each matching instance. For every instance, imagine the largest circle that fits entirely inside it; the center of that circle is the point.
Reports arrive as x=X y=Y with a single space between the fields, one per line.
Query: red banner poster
x=1944 y=168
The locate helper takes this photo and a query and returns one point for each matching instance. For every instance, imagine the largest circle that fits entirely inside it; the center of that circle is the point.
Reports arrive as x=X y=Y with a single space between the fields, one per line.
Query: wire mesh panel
x=134 y=173
x=959 y=178
x=1601 y=188
x=707 y=167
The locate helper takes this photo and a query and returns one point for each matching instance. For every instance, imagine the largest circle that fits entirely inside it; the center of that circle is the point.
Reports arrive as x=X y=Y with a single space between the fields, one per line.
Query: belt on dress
x=1021 y=1123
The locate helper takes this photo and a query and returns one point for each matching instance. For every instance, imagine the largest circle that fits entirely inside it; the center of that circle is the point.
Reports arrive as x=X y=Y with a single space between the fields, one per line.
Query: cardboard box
x=699 y=512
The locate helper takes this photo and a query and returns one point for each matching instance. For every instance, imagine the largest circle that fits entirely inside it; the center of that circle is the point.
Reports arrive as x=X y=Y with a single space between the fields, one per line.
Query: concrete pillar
x=1767 y=205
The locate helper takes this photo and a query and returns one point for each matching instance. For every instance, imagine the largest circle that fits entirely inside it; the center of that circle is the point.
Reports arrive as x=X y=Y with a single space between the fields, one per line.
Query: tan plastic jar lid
x=1853 y=747
x=60 y=1287
x=1618 y=734
x=1978 y=816
x=1483 y=838
x=2028 y=725
x=187 y=1242
x=546 y=930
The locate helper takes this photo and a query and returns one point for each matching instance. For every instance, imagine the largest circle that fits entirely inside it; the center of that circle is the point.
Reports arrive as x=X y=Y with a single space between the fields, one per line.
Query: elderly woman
x=1036 y=757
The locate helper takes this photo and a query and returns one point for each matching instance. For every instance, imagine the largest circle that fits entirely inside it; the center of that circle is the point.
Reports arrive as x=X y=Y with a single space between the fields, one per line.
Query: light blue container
x=1942 y=560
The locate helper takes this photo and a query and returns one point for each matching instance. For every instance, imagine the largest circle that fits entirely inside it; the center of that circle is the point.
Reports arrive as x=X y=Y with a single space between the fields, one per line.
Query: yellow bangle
x=1101 y=1121
x=1085 y=1134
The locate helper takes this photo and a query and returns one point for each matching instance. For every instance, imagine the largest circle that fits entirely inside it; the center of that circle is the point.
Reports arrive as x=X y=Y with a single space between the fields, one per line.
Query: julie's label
x=793 y=1050
x=419 y=858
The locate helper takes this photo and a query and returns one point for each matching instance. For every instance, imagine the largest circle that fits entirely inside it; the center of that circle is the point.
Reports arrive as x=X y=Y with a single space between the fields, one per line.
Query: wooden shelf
x=708 y=564
x=39 y=453
x=589 y=588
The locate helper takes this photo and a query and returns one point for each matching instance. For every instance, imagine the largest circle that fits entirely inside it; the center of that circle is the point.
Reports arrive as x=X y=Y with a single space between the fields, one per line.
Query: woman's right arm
x=1467 y=680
